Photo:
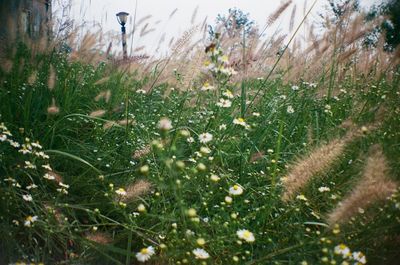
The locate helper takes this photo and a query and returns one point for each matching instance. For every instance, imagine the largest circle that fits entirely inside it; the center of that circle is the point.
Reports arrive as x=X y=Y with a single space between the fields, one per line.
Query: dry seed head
x=109 y=124
x=137 y=189
x=374 y=186
x=32 y=78
x=51 y=82
x=99 y=237
x=278 y=12
x=318 y=161
x=124 y=122
x=141 y=153
x=106 y=95
x=97 y=113
x=53 y=109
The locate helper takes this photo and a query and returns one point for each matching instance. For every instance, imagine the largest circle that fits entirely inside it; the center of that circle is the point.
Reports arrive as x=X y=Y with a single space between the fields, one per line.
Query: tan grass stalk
x=292 y=17
x=99 y=237
x=278 y=12
x=53 y=109
x=136 y=189
x=106 y=95
x=32 y=78
x=97 y=113
x=109 y=125
x=193 y=19
x=172 y=13
x=374 y=186
x=141 y=152
x=124 y=122
x=52 y=78
x=102 y=81
x=318 y=161
x=143 y=19
x=7 y=65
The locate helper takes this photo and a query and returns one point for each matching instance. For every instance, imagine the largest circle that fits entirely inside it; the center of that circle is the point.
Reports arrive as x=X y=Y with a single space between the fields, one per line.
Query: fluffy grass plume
x=137 y=189
x=374 y=186
x=318 y=161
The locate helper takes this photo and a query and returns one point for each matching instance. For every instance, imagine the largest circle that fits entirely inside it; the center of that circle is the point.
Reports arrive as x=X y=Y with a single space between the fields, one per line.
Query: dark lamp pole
x=122 y=17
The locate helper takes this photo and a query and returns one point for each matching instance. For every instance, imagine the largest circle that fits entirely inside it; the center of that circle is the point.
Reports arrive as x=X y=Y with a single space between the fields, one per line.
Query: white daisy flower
x=222 y=127
x=29 y=220
x=120 y=192
x=235 y=190
x=294 y=88
x=206 y=87
x=224 y=103
x=209 y=66
x=324 y=189
x=48 y=167
x=145 y=254
x=245 y=235
x=240 y=121
x=32 y=186
x=49 y=176
x=360 y=257
x=228 y=94
x=343 y=250
x=301 y=197
x=27 y=197
x=224 y=59
x=200 y=253
x=290 y=110
x=205 y=138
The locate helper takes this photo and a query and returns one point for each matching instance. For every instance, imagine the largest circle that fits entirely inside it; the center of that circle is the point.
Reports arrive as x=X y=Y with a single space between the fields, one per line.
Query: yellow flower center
x=207 y=63
x=240 y=119
x=235 y=187
x=247 y=234
x=29 y=218
x=206 y=84
x=144 y=251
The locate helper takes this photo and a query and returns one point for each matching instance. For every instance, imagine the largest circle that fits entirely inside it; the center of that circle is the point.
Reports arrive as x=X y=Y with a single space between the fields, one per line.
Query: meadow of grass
x=103 y=165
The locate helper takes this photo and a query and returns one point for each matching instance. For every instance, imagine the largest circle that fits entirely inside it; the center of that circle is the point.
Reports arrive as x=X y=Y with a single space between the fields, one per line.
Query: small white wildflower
x=206 y=87
x=200 y=253
x=120 y=192
x=245 y=235
x=301 y=197
x=205 y=138
x=324 y=189
x=228 y=94
x=236 y=190
x=145 y=254
x=343 y=250
x=27 y=197
x=29 y=220
x=290 y=110
x=224 y=103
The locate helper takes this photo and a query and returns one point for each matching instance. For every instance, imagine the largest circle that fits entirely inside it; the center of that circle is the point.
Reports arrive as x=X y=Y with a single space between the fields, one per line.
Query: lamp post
x=122 y=17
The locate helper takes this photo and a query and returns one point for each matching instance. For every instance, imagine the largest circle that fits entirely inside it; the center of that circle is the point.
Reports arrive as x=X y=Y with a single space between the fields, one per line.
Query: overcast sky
x=102 y=12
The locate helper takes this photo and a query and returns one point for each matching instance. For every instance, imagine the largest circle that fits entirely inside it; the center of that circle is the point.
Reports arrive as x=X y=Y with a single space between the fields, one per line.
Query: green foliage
x=191 y=174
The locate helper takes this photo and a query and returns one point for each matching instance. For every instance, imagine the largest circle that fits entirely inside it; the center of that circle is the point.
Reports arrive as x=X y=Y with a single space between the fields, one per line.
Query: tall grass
x=135 y=157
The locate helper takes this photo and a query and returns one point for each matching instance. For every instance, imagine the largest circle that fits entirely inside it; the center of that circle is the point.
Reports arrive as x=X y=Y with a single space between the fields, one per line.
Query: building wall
x=24 y=19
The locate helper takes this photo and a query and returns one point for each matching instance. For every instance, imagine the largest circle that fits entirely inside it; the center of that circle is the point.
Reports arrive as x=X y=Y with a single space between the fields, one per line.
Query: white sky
x=103 y=12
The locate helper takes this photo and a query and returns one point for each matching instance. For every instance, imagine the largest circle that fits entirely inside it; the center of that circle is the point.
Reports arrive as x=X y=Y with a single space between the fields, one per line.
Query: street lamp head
x=122 y=18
